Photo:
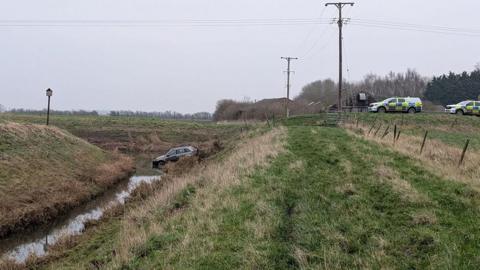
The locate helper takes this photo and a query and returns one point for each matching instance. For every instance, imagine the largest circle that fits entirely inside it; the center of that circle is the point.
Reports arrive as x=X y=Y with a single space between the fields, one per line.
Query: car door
x=469 y=107
x=401 y=105
x=392 y=105
x=476 y=108
x=178 y=154
x=171 y=155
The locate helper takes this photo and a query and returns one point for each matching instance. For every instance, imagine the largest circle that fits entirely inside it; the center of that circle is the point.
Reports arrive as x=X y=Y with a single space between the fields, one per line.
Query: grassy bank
x=330 y=200
x=45 y=171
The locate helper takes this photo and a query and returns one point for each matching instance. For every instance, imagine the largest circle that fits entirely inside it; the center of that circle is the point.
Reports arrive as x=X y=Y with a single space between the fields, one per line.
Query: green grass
x=331 y=209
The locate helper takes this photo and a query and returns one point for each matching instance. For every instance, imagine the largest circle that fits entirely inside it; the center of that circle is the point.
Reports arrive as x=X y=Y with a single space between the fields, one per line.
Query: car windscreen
x=463 y=103
x=389 y=100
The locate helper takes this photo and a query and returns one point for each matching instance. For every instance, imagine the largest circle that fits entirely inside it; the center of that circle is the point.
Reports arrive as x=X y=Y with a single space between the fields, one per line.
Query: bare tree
x=2 y=108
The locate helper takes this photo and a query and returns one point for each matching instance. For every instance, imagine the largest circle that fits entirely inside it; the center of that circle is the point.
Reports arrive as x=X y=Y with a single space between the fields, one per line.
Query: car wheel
x=161 y=163
x=412 y=110
x=460 y=112
x=381 y=110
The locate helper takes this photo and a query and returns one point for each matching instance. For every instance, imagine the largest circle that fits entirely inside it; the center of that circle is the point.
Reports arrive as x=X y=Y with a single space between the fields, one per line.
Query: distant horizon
x=185 y=56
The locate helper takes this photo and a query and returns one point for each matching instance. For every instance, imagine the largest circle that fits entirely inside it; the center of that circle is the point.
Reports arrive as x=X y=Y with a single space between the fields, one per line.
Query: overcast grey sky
x=189 y=68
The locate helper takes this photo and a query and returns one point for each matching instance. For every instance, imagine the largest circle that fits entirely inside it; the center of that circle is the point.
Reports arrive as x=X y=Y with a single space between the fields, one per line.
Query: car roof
x=405 y=97
x=182 y=147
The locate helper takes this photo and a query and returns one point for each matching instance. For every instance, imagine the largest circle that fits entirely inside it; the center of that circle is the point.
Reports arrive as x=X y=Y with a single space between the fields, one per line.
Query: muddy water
x=19 y=248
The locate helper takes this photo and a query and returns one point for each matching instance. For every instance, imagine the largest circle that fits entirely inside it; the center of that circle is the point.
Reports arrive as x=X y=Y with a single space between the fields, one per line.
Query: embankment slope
x=45 y=171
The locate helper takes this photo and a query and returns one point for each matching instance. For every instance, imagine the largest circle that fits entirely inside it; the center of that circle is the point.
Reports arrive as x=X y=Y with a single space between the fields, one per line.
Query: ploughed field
x=306 y=196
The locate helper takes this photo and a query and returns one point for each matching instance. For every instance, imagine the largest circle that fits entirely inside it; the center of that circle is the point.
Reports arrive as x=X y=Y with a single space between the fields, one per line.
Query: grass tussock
x=45 y=171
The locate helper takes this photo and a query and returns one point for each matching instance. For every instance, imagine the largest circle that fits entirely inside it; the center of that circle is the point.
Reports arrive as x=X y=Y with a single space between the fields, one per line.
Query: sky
x=154 y=55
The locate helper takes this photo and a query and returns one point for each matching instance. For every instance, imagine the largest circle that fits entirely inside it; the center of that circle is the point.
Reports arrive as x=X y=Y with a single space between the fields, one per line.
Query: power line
x=312 y=29
x=162 y=23
x=416 y=29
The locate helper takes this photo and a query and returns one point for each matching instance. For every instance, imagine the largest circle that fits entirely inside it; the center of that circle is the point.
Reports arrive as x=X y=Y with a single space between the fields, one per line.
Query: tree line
x=453 y=88
x=320 y=95
x=165 y=115
x=161 y=115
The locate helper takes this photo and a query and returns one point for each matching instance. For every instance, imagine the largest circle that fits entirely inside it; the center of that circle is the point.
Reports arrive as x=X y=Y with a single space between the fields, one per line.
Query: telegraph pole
x=341 y=21
x=289 y=59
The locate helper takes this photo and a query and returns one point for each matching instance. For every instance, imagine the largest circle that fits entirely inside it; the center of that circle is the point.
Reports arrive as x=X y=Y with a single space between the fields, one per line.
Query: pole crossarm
x=340 y=4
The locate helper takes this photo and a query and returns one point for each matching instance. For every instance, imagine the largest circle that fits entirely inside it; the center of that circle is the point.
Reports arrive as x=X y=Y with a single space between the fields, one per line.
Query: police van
x=397 y=104
x=468 y=107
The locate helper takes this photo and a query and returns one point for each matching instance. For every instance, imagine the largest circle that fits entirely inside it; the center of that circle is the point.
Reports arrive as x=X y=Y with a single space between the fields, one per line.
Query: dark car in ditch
x=174 y=155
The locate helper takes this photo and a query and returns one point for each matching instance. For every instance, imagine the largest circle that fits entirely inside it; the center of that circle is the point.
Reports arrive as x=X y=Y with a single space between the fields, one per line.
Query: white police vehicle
x=398 y=104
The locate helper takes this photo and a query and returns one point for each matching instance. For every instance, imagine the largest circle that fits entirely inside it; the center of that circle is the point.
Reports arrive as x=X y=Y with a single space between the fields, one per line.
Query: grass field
x=134 y=134
x=311 y=198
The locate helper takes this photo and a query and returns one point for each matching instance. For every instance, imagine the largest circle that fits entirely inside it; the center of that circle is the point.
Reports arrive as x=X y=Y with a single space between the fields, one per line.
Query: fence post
x=423 y=143
x=394 y=133
x=398 y=136
x=371 y=129
x=376 y=132
x=463 y=153
x=268 y=121
x=386 y=132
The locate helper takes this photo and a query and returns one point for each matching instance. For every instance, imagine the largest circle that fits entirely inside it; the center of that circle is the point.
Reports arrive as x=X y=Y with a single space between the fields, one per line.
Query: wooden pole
x=463 y=153
x=371 y=128
x=423 y=143
x=394 y=133
x=376 y=132
x=387 y=130
x=398 y=135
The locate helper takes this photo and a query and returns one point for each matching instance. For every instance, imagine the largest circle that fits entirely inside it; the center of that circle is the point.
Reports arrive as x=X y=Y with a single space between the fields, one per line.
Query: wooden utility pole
x=341 y=21
x=287 y=109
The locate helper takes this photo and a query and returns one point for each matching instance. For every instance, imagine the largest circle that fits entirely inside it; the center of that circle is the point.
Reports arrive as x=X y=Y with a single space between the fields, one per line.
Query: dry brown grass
x=215 y=176
x=424 y=218
x=387 y=175
x=439 y=158
x=44 y=172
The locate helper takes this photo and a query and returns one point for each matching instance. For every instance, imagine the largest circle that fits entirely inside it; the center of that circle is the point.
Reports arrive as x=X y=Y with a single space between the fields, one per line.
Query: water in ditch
x=20 y=248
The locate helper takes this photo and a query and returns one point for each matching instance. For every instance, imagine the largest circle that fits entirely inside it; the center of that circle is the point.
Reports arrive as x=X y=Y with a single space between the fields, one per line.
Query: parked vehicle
x=174 y=155
x=468 y=107
x=398 y=104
